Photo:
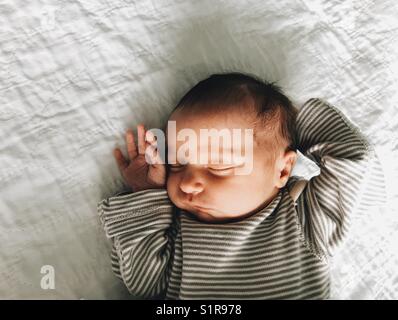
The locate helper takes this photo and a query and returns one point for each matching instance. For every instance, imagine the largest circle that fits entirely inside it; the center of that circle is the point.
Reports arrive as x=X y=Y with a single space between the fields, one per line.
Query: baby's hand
x=137 y=173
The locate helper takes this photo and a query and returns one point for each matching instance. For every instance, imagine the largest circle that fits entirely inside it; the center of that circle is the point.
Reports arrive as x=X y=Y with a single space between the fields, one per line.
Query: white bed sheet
x=75 y=74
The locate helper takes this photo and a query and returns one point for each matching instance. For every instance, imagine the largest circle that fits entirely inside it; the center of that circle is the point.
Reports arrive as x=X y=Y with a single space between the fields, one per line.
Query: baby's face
x=213 y=192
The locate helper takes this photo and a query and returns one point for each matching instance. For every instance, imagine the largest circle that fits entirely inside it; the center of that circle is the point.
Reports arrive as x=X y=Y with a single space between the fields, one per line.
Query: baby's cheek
x=172 y=186
x=243 y=187
x=168 y=182
x=231 y=191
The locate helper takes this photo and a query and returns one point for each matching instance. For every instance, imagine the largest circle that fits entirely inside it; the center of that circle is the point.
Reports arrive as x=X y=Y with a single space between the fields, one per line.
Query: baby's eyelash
x=221 y=169
x=217 y=171
x=232 y=166
x=175 y=166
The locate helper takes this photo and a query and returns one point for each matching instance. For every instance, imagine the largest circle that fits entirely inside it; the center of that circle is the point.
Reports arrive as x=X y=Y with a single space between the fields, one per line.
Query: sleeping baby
x=205 y=222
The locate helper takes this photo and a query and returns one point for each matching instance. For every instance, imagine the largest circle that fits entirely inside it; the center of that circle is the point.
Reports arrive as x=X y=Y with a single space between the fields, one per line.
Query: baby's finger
x=150 y=138
x=121 y=161
x=155 y=157
x=131 y=147
x=141 y=138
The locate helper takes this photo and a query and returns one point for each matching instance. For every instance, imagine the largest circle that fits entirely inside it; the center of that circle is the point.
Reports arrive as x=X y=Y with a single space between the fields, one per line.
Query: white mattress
x=75 y=74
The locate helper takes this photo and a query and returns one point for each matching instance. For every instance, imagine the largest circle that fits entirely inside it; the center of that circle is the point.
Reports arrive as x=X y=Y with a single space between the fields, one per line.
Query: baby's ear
x=287 y=163
x=291 y=157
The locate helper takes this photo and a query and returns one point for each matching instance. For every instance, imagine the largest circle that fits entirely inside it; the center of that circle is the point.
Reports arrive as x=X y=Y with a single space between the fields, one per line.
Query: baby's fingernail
x=149 y=135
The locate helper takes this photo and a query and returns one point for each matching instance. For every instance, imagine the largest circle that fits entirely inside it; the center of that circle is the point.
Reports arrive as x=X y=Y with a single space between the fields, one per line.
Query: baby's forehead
x=265 y=134
x=214 y=134
x=216 y=119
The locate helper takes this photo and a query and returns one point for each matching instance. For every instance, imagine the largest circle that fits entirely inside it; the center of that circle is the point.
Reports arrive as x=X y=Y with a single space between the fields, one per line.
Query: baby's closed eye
x=217 y=169
x=175 y=167
x=222 y=171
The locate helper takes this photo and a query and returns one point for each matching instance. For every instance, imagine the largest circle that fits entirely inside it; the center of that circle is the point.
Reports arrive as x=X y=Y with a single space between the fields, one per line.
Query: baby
x=194 y=229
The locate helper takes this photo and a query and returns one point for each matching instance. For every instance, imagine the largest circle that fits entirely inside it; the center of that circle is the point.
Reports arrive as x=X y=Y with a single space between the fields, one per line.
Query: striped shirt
x=280 y=252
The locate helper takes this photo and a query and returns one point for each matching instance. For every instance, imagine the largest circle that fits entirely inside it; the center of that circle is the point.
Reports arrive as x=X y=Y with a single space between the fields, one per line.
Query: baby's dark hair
x=273 y=108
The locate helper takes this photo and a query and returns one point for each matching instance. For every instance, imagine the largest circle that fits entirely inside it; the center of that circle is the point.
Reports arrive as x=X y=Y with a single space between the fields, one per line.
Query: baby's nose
x=192 y=188
x=191 y=185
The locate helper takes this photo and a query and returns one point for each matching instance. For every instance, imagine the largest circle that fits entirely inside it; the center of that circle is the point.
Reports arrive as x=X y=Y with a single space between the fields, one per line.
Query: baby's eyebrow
x=215 y=157
x=214 y=165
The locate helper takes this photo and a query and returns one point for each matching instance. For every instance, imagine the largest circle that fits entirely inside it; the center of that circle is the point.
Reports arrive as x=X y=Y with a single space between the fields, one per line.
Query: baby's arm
x=348 y=165
x=141 y=225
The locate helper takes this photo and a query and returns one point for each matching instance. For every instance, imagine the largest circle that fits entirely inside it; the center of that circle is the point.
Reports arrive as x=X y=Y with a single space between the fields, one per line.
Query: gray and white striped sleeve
x=142 y=228
x=350 y=174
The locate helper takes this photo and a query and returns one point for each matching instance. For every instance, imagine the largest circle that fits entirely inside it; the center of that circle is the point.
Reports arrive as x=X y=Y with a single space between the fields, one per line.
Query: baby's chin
x=206 y=217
